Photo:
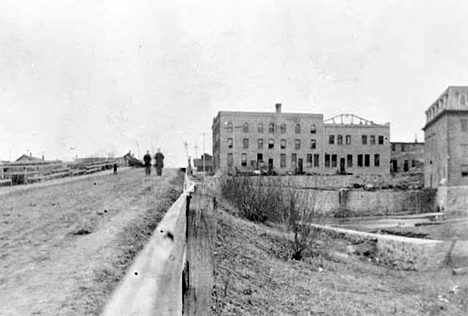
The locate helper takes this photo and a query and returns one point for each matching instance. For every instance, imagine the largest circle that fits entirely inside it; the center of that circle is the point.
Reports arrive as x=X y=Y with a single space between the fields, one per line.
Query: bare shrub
x=262 y=199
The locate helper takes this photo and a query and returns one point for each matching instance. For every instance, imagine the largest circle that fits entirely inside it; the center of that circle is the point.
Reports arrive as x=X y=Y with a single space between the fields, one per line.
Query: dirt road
x=64 y=247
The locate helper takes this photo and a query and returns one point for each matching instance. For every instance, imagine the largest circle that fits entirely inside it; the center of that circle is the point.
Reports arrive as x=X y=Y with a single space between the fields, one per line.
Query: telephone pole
x=203 y=155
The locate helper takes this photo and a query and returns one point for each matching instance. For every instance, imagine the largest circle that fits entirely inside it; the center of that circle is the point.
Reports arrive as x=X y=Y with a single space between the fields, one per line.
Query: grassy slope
x=254 y=277
x=63 y=248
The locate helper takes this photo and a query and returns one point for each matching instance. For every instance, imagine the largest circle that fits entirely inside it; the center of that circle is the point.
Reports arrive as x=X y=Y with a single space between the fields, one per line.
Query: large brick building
x=446 y=148
x=299 y=143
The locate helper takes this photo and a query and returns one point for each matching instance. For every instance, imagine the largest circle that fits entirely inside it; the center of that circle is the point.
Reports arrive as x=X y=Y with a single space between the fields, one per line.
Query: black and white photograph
x=234 y=157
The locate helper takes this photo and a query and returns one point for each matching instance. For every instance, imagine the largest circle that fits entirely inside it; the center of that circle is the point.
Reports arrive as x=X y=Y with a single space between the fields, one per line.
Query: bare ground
x=65 y=246
x=254 y=276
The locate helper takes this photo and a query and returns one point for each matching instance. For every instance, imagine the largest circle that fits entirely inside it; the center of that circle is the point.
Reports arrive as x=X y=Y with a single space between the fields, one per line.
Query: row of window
x=271 y=143
x=365 y=139
x=313 y=160
x=441 y=104
x=272 y=128
x=363 y=160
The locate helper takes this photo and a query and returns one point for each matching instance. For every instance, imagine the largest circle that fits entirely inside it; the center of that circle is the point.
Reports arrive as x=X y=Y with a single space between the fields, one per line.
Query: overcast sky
x=99 y=77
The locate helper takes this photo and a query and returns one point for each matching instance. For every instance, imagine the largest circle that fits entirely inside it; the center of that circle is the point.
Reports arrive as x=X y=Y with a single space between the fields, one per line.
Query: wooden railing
x=173 y=274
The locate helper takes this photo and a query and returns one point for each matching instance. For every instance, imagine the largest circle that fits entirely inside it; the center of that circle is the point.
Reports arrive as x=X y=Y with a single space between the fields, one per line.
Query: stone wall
x=367 y=203
x=396 y=251
x=337 y=194
x=453 y=199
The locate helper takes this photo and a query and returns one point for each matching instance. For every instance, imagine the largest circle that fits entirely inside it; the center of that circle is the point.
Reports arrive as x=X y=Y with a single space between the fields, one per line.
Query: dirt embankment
x=64 y=247
x=254 y=276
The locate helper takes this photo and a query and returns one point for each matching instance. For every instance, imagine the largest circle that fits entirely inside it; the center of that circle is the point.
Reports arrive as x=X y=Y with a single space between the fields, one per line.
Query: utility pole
x=196 y=151
x=203 y=155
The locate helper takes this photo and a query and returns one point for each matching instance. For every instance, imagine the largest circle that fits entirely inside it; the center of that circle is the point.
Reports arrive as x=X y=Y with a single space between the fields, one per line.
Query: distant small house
x=198 y=163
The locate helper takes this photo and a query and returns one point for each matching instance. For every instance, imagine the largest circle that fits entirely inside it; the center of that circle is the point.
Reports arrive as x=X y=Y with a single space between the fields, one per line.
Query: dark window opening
x=271 y=143
x=349 y=161
x=334 y=161
x=271 y=128
x=348 y=139
x=313 y=129
x=297 y=129
x=283 y=160
x=331 y=139
x=316 y=160
x=244 y=160
x=283 y=128
x=339 y=140
x=260 y=128
x=283 y=144
x=405 y=166
x=229 y=142
x=377 y=160
x=364 y=139
x=259 y=158
x=309 y=160
x=359 y=160
x=381 y=140
x=327 y=161
x=372 y=139
x=313 y=144
x=260 y=143
x=245 y=127
x=246 y=143
x=297 y=144
x=293 y=160
x=367 y=160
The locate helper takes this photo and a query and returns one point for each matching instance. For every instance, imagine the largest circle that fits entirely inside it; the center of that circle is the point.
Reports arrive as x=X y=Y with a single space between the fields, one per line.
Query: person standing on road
x=115 y=168
x=159 y=164
x=147 y=160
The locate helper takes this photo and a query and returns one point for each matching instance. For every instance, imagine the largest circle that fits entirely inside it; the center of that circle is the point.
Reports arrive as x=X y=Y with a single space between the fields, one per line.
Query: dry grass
x=64 y=247
x=254 y=276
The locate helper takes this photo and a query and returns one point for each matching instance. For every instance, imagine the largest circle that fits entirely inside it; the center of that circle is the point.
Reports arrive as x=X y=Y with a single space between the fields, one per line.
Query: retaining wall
x=399 y=252
x=361 y=202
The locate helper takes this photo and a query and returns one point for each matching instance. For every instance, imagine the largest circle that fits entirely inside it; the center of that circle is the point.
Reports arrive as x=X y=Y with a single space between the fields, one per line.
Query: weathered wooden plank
x=198 y=278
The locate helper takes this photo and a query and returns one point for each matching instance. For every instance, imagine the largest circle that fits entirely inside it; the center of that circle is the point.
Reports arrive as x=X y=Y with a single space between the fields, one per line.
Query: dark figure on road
x=147 y=160
x=115 y=168
x=159 y=164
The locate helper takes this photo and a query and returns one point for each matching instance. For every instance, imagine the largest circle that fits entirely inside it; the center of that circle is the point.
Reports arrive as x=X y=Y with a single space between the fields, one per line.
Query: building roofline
x=439 y=116
x=269 y=113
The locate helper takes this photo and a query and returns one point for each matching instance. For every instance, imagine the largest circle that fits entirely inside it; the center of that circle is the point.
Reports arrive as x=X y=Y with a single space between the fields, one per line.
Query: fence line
x=153 y=283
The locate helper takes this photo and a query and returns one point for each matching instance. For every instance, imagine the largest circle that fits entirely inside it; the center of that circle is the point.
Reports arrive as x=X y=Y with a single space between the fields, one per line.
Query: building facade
x=298 y=143
x=204 y=164
x=354 y=145
x=446 y=139
x=407 y=157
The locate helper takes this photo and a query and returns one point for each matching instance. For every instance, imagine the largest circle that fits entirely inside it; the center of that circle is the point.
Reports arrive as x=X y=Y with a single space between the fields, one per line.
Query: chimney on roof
x=278 y=107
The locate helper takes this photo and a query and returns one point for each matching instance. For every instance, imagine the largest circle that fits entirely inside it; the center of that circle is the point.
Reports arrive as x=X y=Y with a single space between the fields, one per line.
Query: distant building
x=208 y=165
x=356 y=146
x=299 y=143
x=407 y=157
x=29 y=158
x=446 y=147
